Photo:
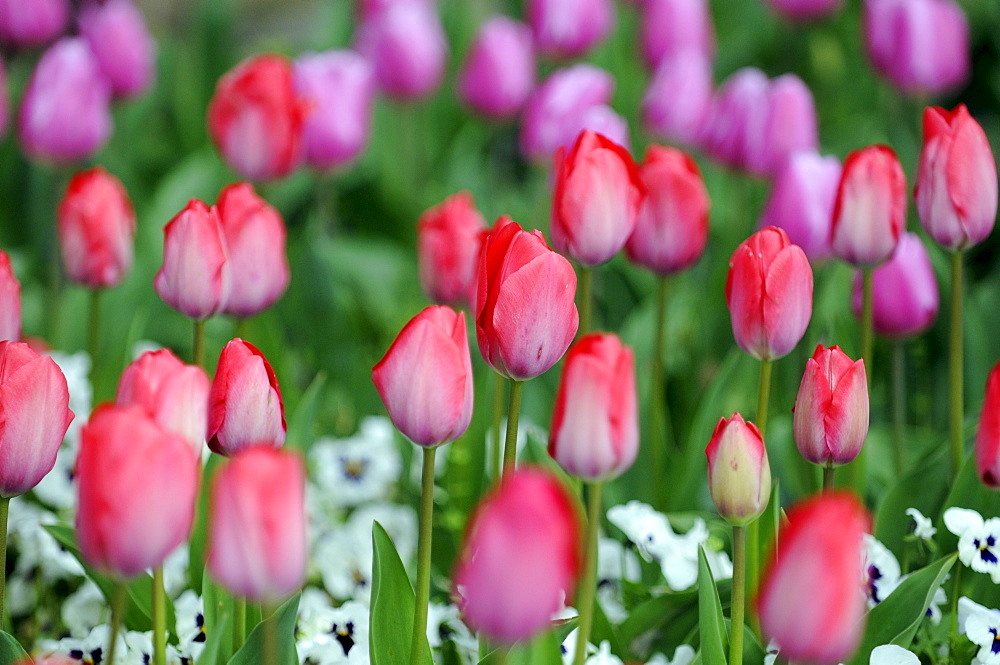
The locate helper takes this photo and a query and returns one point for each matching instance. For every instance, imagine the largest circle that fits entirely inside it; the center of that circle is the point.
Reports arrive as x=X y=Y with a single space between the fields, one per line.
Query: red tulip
x=10 y=301
x=257 y=525
x=988 y=436
x=244 y=405
x=739 y=475
x=194 y=278
x=449 y=241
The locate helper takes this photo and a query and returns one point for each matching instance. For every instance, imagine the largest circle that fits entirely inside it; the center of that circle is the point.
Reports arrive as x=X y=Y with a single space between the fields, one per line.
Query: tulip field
x=458 y=332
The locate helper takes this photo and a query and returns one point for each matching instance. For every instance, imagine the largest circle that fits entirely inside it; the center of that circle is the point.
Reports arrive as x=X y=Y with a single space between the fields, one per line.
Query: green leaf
x=218 y=605
x=300 y=426
x=671 y=613
x=391 y=612
x=213 y=653
x=603 y=630
x=543 y=650
x=10 y=650
x=923 y=488
x=770 y=520
x=282 y=623
x=199 y=531
x=967 y=492
x=712 y=624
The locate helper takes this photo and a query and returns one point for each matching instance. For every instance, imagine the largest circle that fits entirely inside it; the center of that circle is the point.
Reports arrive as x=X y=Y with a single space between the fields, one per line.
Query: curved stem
x=584 y=289
x=498 y=386
x=117 y=608
x=198 y=346
x=94 y=326
x=588 y=585
x=658 y=438
x=763 y=393
x=513 y=413
x=423 y=590
x=159 y=617
x=956 y=397
x=739 y=597
x=828 y=473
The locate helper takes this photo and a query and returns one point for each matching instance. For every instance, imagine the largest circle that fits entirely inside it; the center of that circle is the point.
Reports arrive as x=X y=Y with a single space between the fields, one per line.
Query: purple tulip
x=406 y=44
x=555 y=111
x=804 y=10
x=678 y=97
x=568 y=28
x=789 y=126
x=672 y=26
x=32 y=22
x=739 y=104
x=116 y=32
x=499 y=71
x=801 y=201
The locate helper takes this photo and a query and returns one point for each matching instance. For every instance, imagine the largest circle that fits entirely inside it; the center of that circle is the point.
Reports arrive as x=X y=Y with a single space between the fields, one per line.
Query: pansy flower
x=879 y=570
x=978 y=540
x=923 y=527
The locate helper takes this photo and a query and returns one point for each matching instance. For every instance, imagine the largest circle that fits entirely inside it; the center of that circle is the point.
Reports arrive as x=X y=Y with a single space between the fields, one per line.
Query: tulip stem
x=513 y=413
x=659 y=424
x=588 y=585
x=159 y=617
x=198 y=348
x=956 y=398
x=898 y=403
x=94 y=326
x=239 y=622
x=584 y=288
x=498 y=386
x=270 y=634
x=423 y=591
x=4 y=509
x=739 y=596
x=828 y=476
x=117 y=608
x=867 y=320
x=753 y=529
x=763 y=394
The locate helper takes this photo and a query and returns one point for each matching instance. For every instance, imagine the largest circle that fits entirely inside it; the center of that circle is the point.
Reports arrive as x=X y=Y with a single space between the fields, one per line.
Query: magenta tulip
x=10 y=301
x=117 y=34
x=32 y=23
x=739 y=475
x=738 y=108
x=801 y=201
x=988 y=435
x=194 y=279
x=499 y=70
x=678 y=98
x=670 y=27
x=406 y=45
x=449 y=240
x=788 y=126
x=568 y=28
x=244 y=406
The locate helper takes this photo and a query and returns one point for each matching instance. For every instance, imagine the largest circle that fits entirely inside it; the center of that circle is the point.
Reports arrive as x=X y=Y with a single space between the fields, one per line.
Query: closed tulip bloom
x=254 y=234
x=257 y=525
x=988 y=435
x=870 y=210
x=769 y=294
x=368 y=8
x=499 y=70
x=526 y=314
x=96 y=225
x=137 y=489
x=34 y=416
x=801 y=201
x=672 y=226
x=527 y=529
x=10 y=301
x=406 y=45
x=957 y=183
x=117 y=33
x=738 y=108
x=739 y=475
x=194 y=279
x=244 y=405
x=568 y=28
x=804 y=10
x=449 y=240
x=811 y=600
x=32 y=23
x=255 y=118
x=604 y=120
x=678 y=98
x=789 y=125
x=669 y=27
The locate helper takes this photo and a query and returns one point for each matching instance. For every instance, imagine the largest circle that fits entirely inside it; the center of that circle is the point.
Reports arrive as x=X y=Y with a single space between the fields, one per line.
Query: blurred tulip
x=678 y=98
x=194 y=279
x=956 y=188
x=449 y=241
x=96 y=225
x=65 y=112
x=669 y=27
x=339 y=87
x=255 y=118
x=368 y=8
x=739 y=475
x=499 y=70
x=738 y=107
x=10 y=301
x=672 y=226
x=137 y=485
x=870 y=210
x=554 y=113
x=988 y=435
x=789 y=126
x=804 y=10
x=32 y=23
x=526 y=316
x=526 y=529
x=257 y=525
x=811 y=600
x=801 y=201
x=254 y=234
x=406 y=45
x=604 y=120
x=117 y=34
x=769 y=294
x=244 y=406
x=568 y=28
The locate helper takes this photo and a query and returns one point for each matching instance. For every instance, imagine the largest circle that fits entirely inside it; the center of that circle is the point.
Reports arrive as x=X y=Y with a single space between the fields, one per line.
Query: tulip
x=194 y=278
x=96 y=225
x=339 y=87
x=811 y=599
x=801 y=201
x=988 y=436
x=739 y=106
x=604 y=120
x=117 y=34
x=368 y=8
x=679 y=96
x=245 y=406
x=10 y=301
x=138 y=484
x=739 y=476
x=254 y=235
x=406 y=45
x=672 y=225
x=957 y=183
x=870 y=210
x=669 y=27
x=255 y=118
x=769 y=294
x=554 y=113
x=789 y=125
x=65 y=113
x=499 y=70
x=568 y=28
x=527 y=529
x=257 y=525
x=32 y=23
x=448 y=247
x=804 y=10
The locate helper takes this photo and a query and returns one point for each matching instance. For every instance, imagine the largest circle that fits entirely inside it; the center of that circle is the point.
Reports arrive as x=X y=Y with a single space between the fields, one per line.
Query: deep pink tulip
x=255 y=118
x=988 y=435
x=406 y=45
x=789 y=125
x=32 y=23
x=65 y=113
x=368 y=8
x=137 y=487
x=173 y=394
x=339 y=89
x=870 y=210
x=769 y=294
x=801 y=201
x=34 y=416
x=679 y=97
x=96 y=225
x=116 y=32
x=811 y=599
x=257 y=525
x=499 y=70
x=244 y=406
x=527 y=529
x=672 y=226
x=670 y=27
x=957 y=183
x=738 y=108
x=194 y=278
x=526 y=314
x=568 y=28
x=254 y=234
x=449 y=241
x=804 y=10
x=10 y=301
x=739 y=475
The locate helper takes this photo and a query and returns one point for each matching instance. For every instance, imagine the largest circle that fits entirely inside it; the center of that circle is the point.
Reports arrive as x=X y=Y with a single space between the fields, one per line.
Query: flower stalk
x=513 y=414
x=588 y=585
x=423 y=558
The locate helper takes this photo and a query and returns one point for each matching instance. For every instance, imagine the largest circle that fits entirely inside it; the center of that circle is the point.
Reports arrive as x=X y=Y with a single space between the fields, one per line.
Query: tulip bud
x=406 y=45
x=811 y=600
x=672 y=226
x=254 y=234
x=499 y=70
x=804 y=10
x=738 y=107
x=138 y=484
x=554 y=113
x=117 y=34
x=988 y=435
x=870 y=211
x=669 y=27
x=368 y=8
x=679 y=96
x=526 y=316
x=34 y=416
x=526 y=529
x=96 y=229
x=801 y=201
x=566 y=29
x=245 y=406
x=194 y=278
x=604 y=120
x=957 y=183
x=739 y=476
x=449 y=241
x=255 y=118
x=257 y=525
x=788 y=125
x=32 y=23
x=10 y=301
x=769 y=294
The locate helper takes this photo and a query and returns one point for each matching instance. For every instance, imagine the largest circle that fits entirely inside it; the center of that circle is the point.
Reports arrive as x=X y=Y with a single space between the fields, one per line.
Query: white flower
x=361 y=468
x=924 y=527
x=36 y=547
x=76 y=368
x=569 y=646
x=92 y=650
x=344 y=560
x=683 y=655
x=604 y=656
x=890 y=654
x=84 y=610
x=329 y=636
x=175 y=570
x=444 y=624
x=978 y=540
x=983 y=629
x=189 y=624
x=879 y=571
x=614 y=563
x=21 y=594
x=56 y=489
x=967 y=607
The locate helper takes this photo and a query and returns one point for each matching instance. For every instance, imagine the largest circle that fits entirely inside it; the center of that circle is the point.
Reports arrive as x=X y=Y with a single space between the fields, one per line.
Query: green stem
x=658 y=438
x=117 y=608
x=4 y=510
x=753 y=529
x=867 y=320
x=242 y=325
x=763 y=393
x=956 y=398
x=898 y=404
x=739 y=596
x=198 y=347
x=498 y=386
x=423 y=590
x=239 y=622
x=270 y=636
x=513 y=413
x=94 y=326
x=584 y=288
x=828 y=473
x=955 y=590
x=159 y=617
x=588 y=585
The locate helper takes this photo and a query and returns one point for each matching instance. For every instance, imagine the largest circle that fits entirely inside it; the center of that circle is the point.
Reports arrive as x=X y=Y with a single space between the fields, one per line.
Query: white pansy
x=56 y=489
x=84 y=610
x=21 y=594
x=614 y=564
x=76 y=368
x=983 y=629
x=189 y=624
x=968 y=607
x=568 y=646
x=329 y=636
x=978 y=540
x=879 y=570
x=343 y=559
x=444 y=624
x=604 y=656
x=37 y=548
x=683 y=655
x=400 y=522
x=91 y=650
x=923 y=527
x=890 y=654
x=361 y=468
x=175 y=570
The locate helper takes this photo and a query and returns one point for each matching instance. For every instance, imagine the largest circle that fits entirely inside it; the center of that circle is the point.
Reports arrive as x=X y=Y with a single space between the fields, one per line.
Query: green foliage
x=712 y=632
x=11 y=652
x=281 y=626
x=391 y=617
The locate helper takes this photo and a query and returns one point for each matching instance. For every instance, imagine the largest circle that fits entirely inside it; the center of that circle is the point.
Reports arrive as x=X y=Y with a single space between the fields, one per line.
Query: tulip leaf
x=300 y=426
x=199 y=530
x=711 y=622
x=218 y=604
x=213 y=653
x=282 y=625
x=543 y=650
x=11 y=650
x=923 y=488
x=391 y=611
x=670 y=613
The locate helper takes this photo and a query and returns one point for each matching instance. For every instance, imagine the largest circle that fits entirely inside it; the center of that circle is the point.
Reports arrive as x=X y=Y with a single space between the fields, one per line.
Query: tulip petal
x=787 y=302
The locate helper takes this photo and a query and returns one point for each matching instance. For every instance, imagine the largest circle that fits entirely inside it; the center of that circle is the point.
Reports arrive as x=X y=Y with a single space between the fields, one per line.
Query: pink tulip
x=194 y=278
x=669 y=27
x=568 y=28
x=368 y=8
x=801 y=201
x=244 y=405
x=138 y=484
x=254 y=234
x=988 y=435
x=769 y=294
x=604 y=120
x=406 y=45
x=449 y=240
x=789 y=125
x=117 y=33
x=739 y=475
x=957 y=184
x=32 y=23
x=811 y=599
x=805 y=10
x=672 y=226
x=257 y=525
x=499 y=70
x=10 y=301
x=679 y=96
x=527 y=529
x=738 y=108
